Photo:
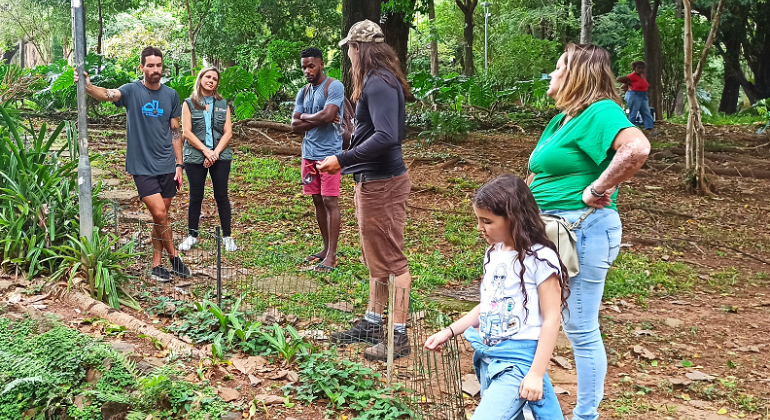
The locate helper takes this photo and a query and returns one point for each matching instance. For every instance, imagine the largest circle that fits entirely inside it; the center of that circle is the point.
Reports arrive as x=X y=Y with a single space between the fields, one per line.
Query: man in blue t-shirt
x=318 y=112
x=153 y=150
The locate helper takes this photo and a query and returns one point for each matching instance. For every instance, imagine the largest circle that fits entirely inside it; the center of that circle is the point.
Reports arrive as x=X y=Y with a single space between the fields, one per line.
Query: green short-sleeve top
x=572 y=155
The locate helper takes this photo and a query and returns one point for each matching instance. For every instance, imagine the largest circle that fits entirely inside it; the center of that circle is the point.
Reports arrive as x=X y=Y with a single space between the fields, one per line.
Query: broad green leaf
x=64 y=80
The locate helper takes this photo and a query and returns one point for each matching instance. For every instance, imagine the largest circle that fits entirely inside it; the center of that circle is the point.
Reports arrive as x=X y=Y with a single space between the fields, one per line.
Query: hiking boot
x=179 y=268
x=160 y=274
x=379 y=352
x=363 y=332
x=188 y=243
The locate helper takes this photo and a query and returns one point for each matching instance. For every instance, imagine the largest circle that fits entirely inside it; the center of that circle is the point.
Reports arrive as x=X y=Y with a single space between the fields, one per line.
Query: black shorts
x=148 y=185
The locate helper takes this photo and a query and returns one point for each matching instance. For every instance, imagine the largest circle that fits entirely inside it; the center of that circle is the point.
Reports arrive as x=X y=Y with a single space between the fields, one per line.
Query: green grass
x=721 y=119
x=636 y=275
x=265 y=172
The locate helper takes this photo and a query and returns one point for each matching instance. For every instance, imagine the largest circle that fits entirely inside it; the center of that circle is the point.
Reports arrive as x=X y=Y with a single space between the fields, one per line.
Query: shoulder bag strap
x=582 y=218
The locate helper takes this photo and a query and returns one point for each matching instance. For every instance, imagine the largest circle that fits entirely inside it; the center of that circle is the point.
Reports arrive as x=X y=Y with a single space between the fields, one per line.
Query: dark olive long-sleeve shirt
x=380 y=128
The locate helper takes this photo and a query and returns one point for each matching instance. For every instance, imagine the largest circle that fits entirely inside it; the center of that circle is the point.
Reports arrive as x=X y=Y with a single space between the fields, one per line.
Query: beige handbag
x=561 y=232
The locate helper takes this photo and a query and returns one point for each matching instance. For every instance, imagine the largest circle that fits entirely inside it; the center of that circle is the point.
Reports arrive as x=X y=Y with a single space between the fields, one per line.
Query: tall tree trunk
x=396 y=31
x=732 y=66
x=586 y=22
x=191 y=36
x=679 y=106
x=695 y=142
x=652 y=52
x=355 y=11
x=22 y=53
x=434 y=64
x=468 y=7
x=101 y=28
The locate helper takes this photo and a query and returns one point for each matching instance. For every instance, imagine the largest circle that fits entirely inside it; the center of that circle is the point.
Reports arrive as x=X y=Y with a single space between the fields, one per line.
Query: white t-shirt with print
x=502 y=313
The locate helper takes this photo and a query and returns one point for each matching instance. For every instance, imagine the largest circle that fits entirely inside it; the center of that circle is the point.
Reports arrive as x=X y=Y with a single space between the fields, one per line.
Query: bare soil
x=716 y=328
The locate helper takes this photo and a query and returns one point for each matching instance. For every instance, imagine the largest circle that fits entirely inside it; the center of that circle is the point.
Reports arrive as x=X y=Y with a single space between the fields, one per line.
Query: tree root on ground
x=86 y=304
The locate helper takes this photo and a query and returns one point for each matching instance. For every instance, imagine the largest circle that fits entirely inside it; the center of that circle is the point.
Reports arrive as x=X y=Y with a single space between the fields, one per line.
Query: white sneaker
x=229 y=244
x=188 y=243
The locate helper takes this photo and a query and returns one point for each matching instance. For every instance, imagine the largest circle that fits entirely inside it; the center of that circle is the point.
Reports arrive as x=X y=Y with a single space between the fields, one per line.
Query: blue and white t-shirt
x=502 y=315
x=324 y=141
x=149 y=150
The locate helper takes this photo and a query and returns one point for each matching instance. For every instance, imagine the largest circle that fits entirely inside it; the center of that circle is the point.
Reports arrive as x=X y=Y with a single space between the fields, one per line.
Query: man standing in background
x=318 y=113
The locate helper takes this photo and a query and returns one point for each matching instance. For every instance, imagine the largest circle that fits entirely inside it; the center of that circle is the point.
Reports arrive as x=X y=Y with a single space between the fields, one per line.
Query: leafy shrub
x=249 y=91
x=762 y=111
x=102 y=263
x=447 y=126
x=17 y=83
x=348 y=385
x=46 y=370
x=38 y=194
x=522 y=57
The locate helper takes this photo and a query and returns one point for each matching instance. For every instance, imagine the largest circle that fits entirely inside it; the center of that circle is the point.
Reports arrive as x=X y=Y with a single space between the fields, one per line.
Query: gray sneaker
x=160 y=274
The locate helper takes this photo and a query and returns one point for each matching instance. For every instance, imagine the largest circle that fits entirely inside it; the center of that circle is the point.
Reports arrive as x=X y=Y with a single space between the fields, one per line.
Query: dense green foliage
x=47 y=370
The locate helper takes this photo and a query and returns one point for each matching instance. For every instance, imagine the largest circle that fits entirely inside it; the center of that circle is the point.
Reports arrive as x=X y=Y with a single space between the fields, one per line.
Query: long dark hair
x=509 y=196
x=373 y=56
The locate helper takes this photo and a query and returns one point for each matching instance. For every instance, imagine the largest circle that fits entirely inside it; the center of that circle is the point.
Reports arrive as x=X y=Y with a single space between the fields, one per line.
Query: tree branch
x=715 y=17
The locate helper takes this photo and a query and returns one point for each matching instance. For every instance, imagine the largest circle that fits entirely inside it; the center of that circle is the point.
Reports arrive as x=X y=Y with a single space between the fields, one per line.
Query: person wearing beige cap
x=382 y=184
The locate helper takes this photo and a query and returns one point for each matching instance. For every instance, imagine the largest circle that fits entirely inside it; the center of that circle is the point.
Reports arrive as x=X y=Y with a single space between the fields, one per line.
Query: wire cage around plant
x=279 y=289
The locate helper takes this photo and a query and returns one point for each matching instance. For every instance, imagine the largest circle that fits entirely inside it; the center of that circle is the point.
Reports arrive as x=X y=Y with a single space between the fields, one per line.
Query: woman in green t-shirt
x=583 y=155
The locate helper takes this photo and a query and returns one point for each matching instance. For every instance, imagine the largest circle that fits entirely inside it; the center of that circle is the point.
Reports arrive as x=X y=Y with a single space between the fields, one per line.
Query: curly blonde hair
x=587 y=79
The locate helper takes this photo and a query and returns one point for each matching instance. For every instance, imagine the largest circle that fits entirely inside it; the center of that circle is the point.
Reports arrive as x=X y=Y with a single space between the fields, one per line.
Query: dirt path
x=711 y=328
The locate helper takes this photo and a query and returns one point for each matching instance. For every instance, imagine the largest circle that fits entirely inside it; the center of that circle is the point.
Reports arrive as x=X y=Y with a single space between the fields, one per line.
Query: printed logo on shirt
x=499 y=317
x=152 y=109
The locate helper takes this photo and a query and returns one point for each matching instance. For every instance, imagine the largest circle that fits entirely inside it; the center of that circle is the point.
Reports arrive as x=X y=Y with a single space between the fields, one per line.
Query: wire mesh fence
x=325 y=308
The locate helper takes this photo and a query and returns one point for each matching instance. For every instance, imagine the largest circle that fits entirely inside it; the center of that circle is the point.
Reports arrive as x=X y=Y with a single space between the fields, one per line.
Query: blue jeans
x=598 y=244
x=500 y=370
x=638 y=102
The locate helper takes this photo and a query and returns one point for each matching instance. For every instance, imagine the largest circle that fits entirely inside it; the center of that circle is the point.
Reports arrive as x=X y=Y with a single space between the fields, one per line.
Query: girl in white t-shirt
x=523 y=292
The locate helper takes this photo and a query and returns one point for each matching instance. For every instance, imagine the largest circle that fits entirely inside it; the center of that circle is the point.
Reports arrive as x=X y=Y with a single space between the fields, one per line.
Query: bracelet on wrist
x=451 y=331
x=596 y=194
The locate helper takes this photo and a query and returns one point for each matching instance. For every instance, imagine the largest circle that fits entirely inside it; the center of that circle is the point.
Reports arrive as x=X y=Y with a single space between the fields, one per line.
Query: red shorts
x=321 y=182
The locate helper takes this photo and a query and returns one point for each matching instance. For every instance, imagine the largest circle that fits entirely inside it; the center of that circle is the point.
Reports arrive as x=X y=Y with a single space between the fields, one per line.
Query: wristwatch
x=596 y=194
x=180 y=165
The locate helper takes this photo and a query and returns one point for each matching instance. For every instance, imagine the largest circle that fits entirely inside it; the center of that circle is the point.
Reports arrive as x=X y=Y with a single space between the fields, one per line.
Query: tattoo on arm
x=110 y=93
x=627 y=161
x=175 y=135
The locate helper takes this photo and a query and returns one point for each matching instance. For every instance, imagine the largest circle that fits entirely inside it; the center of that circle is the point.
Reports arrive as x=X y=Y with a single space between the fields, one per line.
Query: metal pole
x=84 y=164
x=486 y=5
x=219 y=267
x=391 y=326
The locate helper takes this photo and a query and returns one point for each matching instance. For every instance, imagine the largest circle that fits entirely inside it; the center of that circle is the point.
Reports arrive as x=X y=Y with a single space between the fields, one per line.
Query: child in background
x=523 y=292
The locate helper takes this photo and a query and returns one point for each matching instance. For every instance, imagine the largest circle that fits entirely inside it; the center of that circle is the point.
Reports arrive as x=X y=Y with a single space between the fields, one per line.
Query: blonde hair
x=197 y=96
x=587 y=79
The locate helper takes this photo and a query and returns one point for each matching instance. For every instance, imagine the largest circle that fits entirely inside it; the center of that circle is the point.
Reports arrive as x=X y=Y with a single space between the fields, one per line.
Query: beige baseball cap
x=364 y=31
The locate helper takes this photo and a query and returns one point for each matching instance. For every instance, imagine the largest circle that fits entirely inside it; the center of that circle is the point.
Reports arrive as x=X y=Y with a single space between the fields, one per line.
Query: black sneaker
x=363 y=332
x=160 y=274
x=379 y=352
x=179 y=268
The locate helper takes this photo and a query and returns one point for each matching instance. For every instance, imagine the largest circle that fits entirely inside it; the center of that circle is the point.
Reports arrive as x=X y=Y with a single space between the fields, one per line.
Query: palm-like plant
x=102 y=263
